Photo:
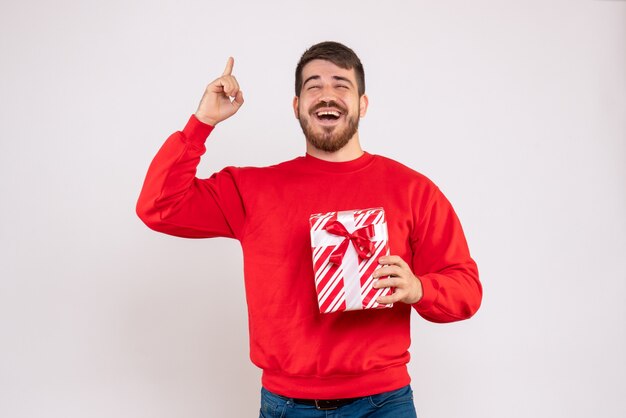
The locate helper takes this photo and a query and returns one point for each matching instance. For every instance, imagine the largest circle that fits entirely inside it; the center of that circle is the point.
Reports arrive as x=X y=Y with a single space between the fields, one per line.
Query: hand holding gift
x=408 y=288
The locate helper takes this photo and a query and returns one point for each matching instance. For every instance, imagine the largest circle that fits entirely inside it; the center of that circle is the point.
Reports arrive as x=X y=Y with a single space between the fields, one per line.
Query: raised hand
x=222 y=98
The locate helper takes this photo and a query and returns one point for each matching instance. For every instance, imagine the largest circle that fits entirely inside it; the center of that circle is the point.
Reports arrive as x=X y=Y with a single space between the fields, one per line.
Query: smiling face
x=329 y=105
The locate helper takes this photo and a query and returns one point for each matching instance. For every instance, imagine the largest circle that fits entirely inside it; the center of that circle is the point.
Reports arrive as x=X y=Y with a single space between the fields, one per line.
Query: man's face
x=329 y=106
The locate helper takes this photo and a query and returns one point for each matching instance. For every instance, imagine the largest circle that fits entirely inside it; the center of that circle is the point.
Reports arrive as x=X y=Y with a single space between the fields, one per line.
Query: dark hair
x=338 y=54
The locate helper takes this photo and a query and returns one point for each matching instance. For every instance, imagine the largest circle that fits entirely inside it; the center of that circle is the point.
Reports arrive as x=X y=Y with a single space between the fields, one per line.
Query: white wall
x=515 y=108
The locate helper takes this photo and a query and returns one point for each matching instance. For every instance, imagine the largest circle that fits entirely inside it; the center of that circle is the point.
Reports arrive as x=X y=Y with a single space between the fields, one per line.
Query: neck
x=351 y=151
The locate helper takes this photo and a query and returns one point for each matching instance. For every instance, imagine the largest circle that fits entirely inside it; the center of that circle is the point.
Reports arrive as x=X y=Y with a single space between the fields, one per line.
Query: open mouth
x=328 y=115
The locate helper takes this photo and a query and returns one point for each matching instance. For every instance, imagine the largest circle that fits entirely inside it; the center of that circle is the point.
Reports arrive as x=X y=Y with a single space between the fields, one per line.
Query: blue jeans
x=394 y=404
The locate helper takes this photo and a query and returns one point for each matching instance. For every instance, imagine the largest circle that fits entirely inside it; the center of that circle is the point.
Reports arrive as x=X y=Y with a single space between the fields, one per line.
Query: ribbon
x=361 y=240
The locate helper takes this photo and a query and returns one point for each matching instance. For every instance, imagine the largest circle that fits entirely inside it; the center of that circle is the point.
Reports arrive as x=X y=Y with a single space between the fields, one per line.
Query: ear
x=363 y=103
x=295 y=107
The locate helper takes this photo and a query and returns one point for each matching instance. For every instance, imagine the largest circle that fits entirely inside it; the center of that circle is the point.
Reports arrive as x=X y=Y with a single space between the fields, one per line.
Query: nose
x=327 y=94
x=327 y=99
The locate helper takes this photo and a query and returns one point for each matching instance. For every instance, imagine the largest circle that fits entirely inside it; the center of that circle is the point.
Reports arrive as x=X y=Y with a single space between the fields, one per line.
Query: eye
x=342 y=86
x=313 y=87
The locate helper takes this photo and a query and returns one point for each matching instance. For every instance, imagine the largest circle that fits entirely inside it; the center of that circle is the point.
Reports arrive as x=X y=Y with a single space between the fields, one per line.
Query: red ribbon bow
x=360 y=238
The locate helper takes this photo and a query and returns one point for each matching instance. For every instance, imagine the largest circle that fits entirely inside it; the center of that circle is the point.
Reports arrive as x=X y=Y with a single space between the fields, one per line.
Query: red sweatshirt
x=305 y=354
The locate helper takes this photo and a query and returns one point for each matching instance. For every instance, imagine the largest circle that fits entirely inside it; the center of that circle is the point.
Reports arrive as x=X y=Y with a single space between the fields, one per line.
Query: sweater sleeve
x=441 y=260
x=174 y=201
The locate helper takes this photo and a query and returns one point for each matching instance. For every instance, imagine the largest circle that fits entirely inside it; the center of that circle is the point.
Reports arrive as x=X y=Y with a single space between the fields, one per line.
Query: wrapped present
x=346 y=246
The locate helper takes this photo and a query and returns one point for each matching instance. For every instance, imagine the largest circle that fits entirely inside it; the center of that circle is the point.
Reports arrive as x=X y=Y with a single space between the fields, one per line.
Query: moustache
x=329 y=104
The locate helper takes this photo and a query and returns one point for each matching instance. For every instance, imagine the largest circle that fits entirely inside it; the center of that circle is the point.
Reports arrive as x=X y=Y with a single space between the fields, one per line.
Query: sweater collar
x=339 y=167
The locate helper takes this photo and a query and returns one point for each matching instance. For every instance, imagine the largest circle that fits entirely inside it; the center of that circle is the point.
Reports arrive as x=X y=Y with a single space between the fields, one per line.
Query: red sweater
x=305 y=354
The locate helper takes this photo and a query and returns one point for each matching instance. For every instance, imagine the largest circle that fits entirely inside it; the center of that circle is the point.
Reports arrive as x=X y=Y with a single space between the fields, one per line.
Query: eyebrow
x=335 y=77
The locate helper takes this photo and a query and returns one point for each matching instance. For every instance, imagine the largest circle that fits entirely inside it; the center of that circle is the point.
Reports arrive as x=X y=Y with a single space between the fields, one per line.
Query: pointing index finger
x=229 y=66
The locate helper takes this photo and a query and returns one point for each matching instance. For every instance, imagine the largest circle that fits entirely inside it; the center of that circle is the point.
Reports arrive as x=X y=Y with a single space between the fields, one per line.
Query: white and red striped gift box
x=346 y=246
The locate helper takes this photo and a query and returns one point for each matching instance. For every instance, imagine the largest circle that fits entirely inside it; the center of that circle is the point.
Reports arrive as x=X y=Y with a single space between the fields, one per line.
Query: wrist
x=196 y=131
x=419 y=291
x=205 y=119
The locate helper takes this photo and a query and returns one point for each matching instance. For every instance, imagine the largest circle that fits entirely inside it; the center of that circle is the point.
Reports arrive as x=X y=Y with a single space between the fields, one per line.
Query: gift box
x=346 y=246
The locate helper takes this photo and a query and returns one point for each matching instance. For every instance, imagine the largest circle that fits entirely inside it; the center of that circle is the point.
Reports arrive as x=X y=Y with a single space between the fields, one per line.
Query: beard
x=332 y=138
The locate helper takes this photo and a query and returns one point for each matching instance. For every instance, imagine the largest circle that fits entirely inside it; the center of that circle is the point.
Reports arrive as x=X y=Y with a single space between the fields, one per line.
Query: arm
x=172 y=199
x=441 y=260
x=442 y=283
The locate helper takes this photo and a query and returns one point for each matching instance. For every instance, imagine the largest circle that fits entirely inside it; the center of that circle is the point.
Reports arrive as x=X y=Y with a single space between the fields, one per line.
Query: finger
x=238 y=99
x=381 y=283
x=218 y=86
x=385 y=300
x=229 y=66
x=389 y=270
x=230 y=85
x=234 y=86
x=392 y=259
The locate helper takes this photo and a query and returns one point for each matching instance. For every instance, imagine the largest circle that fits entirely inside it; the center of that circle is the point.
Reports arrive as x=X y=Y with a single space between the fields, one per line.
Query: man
x=352 y=363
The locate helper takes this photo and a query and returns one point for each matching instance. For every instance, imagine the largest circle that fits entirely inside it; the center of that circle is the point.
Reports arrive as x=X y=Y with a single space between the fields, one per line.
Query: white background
x=516 y=109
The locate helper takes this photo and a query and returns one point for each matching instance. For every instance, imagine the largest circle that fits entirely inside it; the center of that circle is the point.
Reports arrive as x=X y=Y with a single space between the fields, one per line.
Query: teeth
x=328 y=112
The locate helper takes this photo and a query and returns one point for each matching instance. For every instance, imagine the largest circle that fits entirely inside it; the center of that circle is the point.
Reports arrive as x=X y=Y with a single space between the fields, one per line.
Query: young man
x=353 y=363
